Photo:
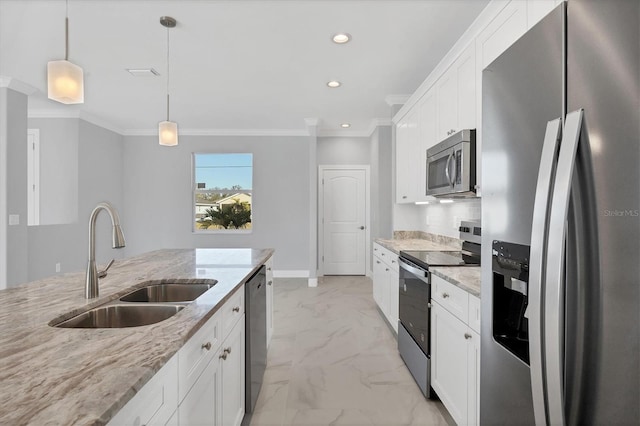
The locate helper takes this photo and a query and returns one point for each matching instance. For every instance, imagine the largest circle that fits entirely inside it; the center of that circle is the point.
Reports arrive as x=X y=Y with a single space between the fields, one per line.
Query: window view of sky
x=224 y=170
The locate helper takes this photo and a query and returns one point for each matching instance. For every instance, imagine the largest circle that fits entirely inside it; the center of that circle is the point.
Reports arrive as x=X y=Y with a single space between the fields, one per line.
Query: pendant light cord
x=168 y=73
x=66 y=31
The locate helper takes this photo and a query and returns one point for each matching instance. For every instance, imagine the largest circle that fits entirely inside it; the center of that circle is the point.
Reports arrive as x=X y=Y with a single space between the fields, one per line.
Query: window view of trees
x=223 y=193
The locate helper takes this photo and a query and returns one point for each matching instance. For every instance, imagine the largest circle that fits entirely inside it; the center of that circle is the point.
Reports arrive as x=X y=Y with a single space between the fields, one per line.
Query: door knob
x=362 y=227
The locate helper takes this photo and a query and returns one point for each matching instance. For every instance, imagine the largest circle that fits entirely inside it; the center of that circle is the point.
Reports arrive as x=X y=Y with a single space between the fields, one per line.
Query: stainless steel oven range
x=414 y=341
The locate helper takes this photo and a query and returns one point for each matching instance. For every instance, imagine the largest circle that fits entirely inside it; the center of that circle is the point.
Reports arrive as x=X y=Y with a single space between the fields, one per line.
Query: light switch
x=14 y=219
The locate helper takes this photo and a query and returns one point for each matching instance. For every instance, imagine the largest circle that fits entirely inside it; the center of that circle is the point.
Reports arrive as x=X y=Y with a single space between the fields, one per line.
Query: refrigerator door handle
x=539 y=235
x=554 y=281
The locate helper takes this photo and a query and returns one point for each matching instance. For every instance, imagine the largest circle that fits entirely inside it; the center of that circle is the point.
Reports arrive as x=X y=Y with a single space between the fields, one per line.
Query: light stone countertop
x=465 y=277
x=396 y=245
x=61 y=376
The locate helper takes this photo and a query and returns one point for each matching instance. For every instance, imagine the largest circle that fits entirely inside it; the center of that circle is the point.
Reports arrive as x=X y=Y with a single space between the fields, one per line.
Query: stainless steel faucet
x=91 y=289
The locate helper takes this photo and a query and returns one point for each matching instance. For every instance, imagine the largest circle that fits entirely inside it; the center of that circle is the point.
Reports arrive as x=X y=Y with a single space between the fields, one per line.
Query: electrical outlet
x=14 y=219
x=58 y=267
x=455 y=223
x=428 y=220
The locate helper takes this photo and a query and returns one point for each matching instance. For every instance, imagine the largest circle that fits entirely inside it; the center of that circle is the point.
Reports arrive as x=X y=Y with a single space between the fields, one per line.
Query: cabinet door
x=270 y=289
x=538 y=9
x=394 y=296
x=473 y=387
x=428 y=137
x=447 y=93
x=380 y=286
x=232 y=376
x=201 y=405
x=449 y=375
x=465 y=67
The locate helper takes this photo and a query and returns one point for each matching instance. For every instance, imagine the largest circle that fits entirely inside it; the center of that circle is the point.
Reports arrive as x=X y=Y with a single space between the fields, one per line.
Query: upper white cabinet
x=538 y=9
x=456 y=91
x=407 y=168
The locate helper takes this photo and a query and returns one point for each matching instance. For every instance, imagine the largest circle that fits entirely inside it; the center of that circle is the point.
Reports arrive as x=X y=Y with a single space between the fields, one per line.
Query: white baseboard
x=290 y=273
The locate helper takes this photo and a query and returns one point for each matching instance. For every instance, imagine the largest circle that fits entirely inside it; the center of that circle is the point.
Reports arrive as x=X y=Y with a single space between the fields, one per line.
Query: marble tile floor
x=333 y=361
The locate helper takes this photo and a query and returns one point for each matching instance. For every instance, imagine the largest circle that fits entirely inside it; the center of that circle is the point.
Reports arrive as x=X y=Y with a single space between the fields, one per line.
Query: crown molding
x=69 y=113
x=220 y=132
x=17 y=85
x=392 y=100
x=312 y=126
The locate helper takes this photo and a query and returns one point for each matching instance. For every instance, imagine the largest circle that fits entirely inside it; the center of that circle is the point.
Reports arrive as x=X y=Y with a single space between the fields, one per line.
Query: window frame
x=195 y=190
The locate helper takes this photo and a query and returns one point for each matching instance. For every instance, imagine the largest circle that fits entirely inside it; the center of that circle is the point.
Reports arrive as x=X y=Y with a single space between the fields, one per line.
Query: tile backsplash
x=444 y=219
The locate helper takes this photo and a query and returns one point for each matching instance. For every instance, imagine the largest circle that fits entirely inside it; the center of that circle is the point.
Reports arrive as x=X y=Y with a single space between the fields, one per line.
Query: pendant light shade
x=65 y=80
x=168 y=130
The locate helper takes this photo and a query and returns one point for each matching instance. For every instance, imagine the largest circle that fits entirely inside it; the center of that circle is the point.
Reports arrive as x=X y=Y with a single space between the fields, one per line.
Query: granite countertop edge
x=85 y=376
x=465 y=277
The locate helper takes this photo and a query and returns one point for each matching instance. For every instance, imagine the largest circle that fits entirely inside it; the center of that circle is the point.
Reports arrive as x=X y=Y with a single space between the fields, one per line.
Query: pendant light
x=168 y=130
x=65 y=81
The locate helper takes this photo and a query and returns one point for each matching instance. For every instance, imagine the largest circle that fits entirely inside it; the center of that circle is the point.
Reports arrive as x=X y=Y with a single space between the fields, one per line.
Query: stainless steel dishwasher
x=255 y=338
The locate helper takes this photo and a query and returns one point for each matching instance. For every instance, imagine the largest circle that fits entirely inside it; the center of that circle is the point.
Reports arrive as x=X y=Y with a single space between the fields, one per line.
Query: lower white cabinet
x=204 y=383
x=385 y=283
x=269 y=265
x=455 y=359
x=155 y=403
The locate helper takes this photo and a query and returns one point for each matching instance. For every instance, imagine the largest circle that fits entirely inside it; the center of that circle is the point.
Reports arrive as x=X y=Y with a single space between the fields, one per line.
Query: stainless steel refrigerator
x=561 y=225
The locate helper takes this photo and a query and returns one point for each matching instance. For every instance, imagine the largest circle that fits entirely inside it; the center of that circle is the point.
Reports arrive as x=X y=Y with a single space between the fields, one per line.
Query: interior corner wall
x=13 y=139
x=158 y=196
x=99 y=178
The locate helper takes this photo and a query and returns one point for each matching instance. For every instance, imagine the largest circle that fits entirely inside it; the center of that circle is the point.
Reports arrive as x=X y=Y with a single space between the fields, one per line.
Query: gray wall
x=158 y=195
x=99 y=165
x=13 y=138
x=58 y=169
x=385 y=182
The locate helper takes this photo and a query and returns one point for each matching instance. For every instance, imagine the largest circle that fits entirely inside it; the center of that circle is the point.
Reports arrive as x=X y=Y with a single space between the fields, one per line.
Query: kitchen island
x=67 y=376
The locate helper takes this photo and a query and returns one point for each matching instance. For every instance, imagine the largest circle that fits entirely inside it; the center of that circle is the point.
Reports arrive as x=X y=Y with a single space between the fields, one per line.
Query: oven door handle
x=419 y=273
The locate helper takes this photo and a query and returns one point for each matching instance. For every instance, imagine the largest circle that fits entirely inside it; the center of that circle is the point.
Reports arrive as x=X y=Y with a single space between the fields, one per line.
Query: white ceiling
x=241 y=65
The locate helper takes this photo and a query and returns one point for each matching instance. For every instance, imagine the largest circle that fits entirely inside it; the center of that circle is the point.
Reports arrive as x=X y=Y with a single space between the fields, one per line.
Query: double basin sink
x=143 y=306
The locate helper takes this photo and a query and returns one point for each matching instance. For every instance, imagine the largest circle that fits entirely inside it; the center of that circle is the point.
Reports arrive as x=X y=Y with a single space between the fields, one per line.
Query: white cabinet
x=407 y=168
x=385 y=283
x=538 y=9
x=231 y=371
x=456 y=93
x=269 y=266
x=415 y=133
x=455 y=351
x=155 y=403
x=200 y=406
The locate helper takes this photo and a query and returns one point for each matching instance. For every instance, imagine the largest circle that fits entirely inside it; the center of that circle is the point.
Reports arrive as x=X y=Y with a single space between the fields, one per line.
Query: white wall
x=158 y=196
x=58 y=169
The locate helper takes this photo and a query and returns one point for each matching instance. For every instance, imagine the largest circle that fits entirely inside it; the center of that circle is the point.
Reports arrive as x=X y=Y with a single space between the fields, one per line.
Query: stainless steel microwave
x=451 y=166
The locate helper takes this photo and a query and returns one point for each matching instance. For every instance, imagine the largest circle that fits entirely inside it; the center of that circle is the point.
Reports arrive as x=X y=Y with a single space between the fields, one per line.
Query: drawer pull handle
x=236 y=309
x=467 y=336
x=223 y=356
x=445 y=295
x=206 y=346
x=227 y=350
x=270 y=282
x=268 y=269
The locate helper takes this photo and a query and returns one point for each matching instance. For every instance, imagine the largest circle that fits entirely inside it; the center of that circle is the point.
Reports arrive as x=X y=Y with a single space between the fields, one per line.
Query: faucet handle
x=103 y=273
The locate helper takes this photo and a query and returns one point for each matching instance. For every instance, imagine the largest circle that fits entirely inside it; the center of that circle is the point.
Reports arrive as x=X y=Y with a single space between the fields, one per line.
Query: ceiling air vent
x=143 y=72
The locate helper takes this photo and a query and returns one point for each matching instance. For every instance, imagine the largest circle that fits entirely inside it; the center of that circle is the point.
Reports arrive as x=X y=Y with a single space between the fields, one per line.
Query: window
x=222 y=191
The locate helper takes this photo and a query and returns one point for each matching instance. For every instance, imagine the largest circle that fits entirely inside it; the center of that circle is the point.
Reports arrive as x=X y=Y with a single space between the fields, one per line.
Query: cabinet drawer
x=197 y=352
x=155 y=402
x=450 y=297
x=386 y=256
x=474 y=313
x=232 y=311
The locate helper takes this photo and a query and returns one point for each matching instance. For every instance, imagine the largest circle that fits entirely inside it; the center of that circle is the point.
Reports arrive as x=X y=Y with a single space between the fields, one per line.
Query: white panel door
x=344 y=219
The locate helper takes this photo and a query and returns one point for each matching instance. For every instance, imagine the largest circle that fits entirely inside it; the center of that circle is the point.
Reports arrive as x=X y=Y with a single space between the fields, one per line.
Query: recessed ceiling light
x=341 y=38
x=333 y=84
x=143 y=72
x=345 y=125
